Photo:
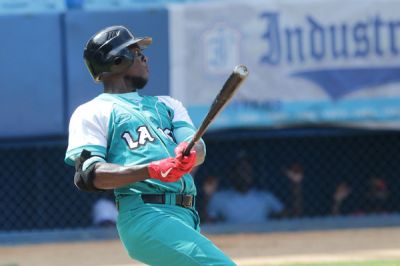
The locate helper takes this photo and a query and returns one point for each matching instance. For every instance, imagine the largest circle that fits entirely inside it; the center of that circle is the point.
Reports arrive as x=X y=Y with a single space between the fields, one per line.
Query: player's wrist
x=152 y=170
x=166 y=170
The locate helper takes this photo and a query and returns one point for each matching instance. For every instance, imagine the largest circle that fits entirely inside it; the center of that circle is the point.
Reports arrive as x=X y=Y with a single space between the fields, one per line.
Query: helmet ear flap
x=117 y=60
x=121 y=61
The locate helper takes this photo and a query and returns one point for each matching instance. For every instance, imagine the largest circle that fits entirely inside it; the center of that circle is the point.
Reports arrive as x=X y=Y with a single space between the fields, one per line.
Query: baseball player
x=134 y=144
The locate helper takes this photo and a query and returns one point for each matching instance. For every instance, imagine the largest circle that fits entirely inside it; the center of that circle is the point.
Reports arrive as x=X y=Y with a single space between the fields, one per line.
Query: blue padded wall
x=31 y=101
x=81 y=25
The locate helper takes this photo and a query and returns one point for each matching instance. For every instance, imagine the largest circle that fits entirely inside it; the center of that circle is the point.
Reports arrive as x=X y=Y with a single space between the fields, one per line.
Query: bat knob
x=241 y=70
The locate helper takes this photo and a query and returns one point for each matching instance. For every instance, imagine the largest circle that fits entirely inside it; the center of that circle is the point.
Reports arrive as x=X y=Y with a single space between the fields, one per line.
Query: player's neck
x=117 y=86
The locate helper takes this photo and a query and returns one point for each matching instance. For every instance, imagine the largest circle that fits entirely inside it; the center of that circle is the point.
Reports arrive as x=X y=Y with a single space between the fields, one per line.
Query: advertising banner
x=311 y=62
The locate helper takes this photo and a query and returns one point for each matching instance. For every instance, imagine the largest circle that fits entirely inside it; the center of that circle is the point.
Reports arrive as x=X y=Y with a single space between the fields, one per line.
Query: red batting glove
x=166 y=170
x=187 y=162
x=180 y=149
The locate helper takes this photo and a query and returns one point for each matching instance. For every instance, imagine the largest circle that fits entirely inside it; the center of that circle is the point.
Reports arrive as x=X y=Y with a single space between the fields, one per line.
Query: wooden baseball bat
x=231 y=85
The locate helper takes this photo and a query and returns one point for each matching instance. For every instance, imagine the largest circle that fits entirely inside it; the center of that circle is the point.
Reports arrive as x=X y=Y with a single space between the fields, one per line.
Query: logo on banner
x=315 y=43
x=221 y=44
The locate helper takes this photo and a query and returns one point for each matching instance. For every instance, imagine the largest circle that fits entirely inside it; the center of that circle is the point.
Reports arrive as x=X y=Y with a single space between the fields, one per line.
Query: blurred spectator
x=377 y=195
x=104 y=212
x=242 y=203
x=343 y=203
x=210 y=186
x=295 y=176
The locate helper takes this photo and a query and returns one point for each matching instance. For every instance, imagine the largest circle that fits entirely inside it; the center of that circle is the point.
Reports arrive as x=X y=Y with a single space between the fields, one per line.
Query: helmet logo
x=112 y=34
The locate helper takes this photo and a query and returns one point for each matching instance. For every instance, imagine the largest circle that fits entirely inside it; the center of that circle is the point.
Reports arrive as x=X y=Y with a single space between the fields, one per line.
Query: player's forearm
x=110 y=176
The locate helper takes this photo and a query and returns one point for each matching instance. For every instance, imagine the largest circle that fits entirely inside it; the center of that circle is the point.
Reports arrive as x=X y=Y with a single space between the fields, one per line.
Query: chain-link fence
x=38 y=191
x=310 y=172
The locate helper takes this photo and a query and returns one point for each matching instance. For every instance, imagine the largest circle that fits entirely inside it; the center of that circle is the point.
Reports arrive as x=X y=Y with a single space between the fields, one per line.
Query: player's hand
x=187 y=162
x=166 y=170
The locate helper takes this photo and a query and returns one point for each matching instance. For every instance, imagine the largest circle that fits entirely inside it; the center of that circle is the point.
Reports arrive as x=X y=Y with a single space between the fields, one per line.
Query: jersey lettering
x=143 y=137
x=168 y=133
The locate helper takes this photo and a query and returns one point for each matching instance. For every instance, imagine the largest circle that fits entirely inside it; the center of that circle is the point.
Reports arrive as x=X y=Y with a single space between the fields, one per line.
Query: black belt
x=186 y=201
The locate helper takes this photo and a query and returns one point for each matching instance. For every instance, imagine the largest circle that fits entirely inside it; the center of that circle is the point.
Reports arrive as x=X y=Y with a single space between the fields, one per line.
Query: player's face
x=138 y=73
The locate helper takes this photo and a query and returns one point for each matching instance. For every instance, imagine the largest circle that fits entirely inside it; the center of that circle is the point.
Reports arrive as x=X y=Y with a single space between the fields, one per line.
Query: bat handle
x=188 y=148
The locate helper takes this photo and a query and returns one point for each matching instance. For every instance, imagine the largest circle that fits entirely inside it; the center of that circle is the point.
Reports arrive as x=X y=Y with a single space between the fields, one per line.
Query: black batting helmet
x=107 y=51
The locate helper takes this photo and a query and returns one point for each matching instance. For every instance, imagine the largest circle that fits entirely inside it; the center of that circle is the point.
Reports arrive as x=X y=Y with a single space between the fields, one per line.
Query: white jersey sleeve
x=182 y=124
x=180 y=112
x=88 y=129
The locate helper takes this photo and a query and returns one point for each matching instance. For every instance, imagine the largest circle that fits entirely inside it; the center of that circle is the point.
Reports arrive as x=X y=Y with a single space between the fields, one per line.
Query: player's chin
x=137 y=81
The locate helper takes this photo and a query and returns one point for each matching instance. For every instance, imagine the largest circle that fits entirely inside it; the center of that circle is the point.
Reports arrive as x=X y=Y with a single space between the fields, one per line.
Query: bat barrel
x=239 y=73
x=241 y=70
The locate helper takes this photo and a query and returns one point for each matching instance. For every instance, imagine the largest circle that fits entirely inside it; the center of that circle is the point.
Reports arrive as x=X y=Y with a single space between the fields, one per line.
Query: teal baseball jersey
x=129 y=129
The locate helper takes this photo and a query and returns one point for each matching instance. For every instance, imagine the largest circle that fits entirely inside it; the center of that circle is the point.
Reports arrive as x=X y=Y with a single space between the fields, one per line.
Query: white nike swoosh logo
x=164 y=174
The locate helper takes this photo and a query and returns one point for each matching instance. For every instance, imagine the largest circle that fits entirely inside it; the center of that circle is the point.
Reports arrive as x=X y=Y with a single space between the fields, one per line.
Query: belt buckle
x=187 y=201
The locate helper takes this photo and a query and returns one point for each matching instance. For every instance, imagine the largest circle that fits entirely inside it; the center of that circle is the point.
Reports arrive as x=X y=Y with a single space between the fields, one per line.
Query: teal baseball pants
x=165 y=235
